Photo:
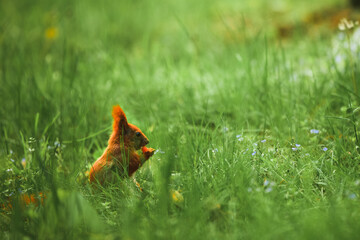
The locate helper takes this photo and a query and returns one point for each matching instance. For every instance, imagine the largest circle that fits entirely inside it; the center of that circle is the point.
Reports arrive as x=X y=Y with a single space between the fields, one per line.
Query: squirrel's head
x=132 y=136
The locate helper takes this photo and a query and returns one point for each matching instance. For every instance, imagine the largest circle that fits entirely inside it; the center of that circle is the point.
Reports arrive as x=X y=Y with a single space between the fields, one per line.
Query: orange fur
x=25 y=200
x=121 y=155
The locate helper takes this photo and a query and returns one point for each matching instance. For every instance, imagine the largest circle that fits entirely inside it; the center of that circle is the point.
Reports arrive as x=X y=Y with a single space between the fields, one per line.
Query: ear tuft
x=119 y=116
x=117 y=112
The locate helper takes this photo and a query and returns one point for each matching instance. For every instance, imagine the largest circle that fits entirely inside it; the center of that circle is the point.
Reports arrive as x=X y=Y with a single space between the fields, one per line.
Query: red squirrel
x=121 y=155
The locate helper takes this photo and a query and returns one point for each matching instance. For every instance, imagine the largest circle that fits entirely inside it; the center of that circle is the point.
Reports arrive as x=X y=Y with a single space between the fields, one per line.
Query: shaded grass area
x=256 y=136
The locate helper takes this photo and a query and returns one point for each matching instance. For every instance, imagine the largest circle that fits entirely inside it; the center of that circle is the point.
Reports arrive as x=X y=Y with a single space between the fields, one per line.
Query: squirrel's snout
x=146 y=141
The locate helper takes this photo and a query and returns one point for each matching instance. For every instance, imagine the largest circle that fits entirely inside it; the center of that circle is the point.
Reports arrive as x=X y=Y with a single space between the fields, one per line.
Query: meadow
x=253 y=107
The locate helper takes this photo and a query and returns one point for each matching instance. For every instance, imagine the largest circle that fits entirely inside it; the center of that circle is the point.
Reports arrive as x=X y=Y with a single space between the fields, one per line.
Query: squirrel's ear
x=119 y=116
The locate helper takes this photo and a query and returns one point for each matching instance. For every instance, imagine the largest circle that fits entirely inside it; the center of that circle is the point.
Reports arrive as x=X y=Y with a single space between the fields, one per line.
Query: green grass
x=194 y=76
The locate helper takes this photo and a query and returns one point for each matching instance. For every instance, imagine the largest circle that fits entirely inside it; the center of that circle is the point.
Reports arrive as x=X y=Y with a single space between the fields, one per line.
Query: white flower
x=159 y=151
x=347 y=24
x=357 y=182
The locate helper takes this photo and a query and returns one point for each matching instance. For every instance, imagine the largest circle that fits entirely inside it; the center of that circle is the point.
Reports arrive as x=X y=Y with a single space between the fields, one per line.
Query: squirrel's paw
x=148 y=152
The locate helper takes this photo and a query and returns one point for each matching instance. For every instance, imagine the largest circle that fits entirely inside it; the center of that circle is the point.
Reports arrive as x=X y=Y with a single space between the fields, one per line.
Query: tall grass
x=256 y=136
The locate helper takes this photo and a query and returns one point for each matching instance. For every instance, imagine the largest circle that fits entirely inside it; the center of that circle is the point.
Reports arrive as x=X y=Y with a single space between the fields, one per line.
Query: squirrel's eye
x=138 y=134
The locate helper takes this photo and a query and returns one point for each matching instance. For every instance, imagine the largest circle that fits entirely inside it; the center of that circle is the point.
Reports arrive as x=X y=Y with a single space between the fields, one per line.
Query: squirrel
x=121 y=155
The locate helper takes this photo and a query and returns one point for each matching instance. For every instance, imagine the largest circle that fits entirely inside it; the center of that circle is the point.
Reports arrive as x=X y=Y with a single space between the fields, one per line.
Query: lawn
x=253 y=108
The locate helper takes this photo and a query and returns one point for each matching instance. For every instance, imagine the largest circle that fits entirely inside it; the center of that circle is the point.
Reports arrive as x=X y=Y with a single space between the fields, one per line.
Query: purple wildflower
x=314 y=131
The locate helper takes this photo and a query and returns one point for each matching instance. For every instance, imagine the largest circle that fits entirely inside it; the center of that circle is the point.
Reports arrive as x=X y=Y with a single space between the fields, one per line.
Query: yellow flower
x=176 y=196
x=51 y=33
